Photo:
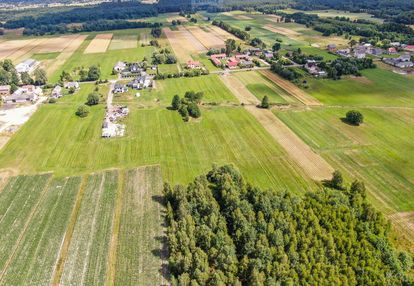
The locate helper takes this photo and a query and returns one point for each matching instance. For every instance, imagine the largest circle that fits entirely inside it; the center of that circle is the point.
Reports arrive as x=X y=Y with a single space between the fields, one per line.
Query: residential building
x=120 y=88
x=344 y=53
x=332 y=48
x=72 y=84
x=312 y=67
x=5 y=90
x=216 y=59
x=246 y=64
x=232 y=63
x=404 y=61
x=57 y=92
x=140 y=82
x=27 y=93
x=120 y=66
x=194 y=64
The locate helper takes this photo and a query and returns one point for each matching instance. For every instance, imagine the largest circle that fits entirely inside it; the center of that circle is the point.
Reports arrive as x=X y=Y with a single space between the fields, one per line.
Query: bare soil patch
x=208 y=40
x=292 y=89
x=99 y=44
x=311 y=163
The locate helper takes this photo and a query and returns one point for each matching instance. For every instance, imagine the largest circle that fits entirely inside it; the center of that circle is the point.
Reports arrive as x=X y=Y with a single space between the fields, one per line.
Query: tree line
x=232 y=30
x=224 y=231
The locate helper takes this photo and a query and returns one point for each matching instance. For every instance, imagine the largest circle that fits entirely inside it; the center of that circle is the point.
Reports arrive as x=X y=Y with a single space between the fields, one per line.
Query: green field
x=39 y=242
x=379 y=152
x=45 y=56
x=337 y=13
x=377 y=87
x=141 y=243
x=87 y=260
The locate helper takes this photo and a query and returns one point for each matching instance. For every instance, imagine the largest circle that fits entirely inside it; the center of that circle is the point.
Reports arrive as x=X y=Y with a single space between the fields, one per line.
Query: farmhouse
x=120 y=88
x=392 y=51
x=28 y=66
x=232 y=63
x=216 y=59
x=140 y=82
x=246 y=64
x=312 y=67
x=119 y=67
x=193 y=64
x=404 y=61
x=27 y=93
x=57 y=92
x=344 y=53
x=72 y=84
x=332 y=48
x=5 y=90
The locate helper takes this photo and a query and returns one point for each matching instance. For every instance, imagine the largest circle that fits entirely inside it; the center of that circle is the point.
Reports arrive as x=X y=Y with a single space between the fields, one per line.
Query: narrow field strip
x=292 y=89
x=99 y=44
x=123 y=42
x=208 y=40
x=87 y=259
x=7 y=48
x=282 y=31
x=219 y=32
x=183 y=43
x=44 y=235
x=17 y=202
x=141 y=254
x=311 y=163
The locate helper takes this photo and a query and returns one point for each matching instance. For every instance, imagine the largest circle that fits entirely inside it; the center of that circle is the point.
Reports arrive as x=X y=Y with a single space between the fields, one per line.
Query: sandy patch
x=292 y=89
x=310 y=162
x=124 y=42
x=60 y=60
x=283 y=31
x=237 y=16
x=208 y=40
x=183 y=43
x=99 y=44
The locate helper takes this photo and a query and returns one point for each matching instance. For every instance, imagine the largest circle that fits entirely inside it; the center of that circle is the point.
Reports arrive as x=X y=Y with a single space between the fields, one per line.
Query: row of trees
x=346 y=66
x=232 y=30
x=188 y=106
x=93 y=73
x=222 y=231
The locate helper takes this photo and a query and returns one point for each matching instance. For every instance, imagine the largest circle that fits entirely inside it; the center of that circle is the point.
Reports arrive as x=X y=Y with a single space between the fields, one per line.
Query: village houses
x=26 y=93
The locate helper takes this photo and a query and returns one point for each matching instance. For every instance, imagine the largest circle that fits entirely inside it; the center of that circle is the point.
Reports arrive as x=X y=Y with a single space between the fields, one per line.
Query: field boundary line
x=116 y=225
x=25 y=227
x=57 y=273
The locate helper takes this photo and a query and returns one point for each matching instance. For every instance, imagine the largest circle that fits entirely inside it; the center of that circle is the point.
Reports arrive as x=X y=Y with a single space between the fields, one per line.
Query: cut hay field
x=120 y=42
x=338 y=13
x=377 y=87
x=99 y=44
x=207 y=39
x=213 y=88
x=379 y=152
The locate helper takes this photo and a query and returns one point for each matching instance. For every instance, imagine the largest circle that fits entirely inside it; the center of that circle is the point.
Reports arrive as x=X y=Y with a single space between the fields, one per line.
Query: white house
x=72 y=84
x=120 y=66
x=120 y=88
x=57 y=92
x=28 y=66
x=27 y=93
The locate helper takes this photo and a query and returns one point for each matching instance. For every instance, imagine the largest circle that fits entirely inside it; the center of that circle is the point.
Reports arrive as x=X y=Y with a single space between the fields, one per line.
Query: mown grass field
x=379 y=152
x=377 y=87
x=141 y=243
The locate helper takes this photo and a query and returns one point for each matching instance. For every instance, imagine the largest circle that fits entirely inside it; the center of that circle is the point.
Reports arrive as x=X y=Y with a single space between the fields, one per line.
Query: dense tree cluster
x=243 y=35
x=163 y=56
x=287 y=73
x=347 y=66
x=354 y=117
x=9 y=76
x=222 y=231
x=188 y=106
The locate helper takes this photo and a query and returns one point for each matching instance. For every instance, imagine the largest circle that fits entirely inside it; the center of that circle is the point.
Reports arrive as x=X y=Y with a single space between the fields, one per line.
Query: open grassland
x=377 y=87
x=337 y=13
x=378 y=153
x=87 y=260
x=214 y=91
x=142 y=253
x=260 y=86
x=33 y=260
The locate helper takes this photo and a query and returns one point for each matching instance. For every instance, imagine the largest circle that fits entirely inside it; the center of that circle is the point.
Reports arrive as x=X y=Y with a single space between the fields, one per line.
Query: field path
x=292 y=89
x=312 y=163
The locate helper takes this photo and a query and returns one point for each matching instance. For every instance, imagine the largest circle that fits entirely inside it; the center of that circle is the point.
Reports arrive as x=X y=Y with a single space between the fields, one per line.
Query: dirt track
x=312 y=163
x=292 y=89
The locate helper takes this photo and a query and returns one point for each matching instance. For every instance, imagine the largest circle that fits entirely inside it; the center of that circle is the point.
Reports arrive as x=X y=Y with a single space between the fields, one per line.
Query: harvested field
x=237 y=16
x=292 y=89
x=311 y=163
x=65 y=55
x=183 y=43
x=404 y=223
x=208 y=40
x=144 y=38
x=219 y=32
x=16 y=48
x=87 y=260
x=281 y=30
x=99 y=44
x=274 y=18
x=120 y=42
x=141 y=255
x=59 y=44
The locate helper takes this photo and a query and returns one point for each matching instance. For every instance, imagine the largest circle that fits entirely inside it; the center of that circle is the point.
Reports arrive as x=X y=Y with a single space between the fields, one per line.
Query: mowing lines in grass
x=87 y=259
x=17 y=202
x=120 y=42
x=36 y=256
x=141 y=248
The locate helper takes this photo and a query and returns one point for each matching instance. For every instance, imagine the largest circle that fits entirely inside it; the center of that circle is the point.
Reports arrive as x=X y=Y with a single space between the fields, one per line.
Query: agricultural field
x=338 y=13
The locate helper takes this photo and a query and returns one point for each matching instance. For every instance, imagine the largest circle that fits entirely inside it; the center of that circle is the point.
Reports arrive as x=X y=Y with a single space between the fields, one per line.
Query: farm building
x=246 y=64
x=57 y=92
x=27 y=93
x=194 y=64
x=5 y=90
x=404 y=61
x=72 y=84
x=120 y=88
x=216 y=59
x=332 y=48
x=28 y=66
x=232 y=63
